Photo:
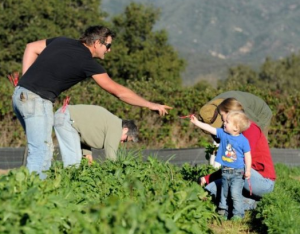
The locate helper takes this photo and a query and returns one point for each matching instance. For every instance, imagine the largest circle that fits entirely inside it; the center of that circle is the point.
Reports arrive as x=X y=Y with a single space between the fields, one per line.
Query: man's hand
x=89 y=158
x=162 y=109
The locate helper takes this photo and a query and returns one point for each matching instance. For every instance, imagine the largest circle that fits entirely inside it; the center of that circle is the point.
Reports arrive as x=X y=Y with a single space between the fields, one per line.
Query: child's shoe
x=223 y=214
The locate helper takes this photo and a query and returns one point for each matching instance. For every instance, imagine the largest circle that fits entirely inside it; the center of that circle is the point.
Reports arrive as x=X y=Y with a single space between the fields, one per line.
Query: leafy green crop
x=279 y=210
x=126 y=196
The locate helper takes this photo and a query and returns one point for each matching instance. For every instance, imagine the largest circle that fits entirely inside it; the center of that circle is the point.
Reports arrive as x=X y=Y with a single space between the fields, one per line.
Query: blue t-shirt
x=231 y=149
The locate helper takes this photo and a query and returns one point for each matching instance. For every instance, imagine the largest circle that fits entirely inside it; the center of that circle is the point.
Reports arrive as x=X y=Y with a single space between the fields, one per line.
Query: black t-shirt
x=63 y=63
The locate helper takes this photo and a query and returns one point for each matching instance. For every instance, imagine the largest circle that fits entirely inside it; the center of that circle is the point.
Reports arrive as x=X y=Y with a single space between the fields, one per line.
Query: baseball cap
x=209 y=114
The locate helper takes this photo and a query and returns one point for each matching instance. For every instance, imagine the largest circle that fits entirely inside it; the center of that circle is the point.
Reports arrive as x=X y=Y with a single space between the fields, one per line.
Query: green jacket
x=255 y=108
x=98 y=128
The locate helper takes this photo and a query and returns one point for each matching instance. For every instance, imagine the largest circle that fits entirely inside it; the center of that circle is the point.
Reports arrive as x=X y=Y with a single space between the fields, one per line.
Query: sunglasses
x=107 y=45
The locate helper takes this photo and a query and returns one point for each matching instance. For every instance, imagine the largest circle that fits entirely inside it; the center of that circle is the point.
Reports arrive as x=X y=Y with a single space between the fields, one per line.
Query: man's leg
x=68 y=138
x=36 y=117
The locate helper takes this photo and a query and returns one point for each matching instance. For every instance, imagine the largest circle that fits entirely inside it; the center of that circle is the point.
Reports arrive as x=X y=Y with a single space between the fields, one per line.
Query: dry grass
x=246 y=226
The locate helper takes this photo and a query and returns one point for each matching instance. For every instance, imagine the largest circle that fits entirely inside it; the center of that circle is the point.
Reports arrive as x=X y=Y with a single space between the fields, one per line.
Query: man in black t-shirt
x=51 y=66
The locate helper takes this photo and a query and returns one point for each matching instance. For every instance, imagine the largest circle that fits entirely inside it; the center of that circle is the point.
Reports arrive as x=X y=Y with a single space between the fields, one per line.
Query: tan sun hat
x=209 y=114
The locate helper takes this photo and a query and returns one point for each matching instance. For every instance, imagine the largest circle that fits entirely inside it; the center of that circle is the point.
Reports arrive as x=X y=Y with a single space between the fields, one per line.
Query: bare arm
x=127 y=95
x=248 y=165
x=203 y=126
x=31 y=52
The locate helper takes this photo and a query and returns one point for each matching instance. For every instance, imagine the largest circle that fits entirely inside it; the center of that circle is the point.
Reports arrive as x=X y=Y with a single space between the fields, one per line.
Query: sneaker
x=221 y=212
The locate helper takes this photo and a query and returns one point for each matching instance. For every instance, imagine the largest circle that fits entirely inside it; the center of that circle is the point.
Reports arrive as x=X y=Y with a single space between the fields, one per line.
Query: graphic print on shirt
x=230 y=154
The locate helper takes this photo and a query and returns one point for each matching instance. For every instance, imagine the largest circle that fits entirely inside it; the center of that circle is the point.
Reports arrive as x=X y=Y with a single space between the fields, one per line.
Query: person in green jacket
x=255 y=108
x=79 y=128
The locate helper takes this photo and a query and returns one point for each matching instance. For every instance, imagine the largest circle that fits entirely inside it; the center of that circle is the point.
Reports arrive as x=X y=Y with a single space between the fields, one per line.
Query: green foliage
x=210 y=149
x=133 y=195
x=279 y=210
x=280 y=76
x=126 y=196
x=193 y=173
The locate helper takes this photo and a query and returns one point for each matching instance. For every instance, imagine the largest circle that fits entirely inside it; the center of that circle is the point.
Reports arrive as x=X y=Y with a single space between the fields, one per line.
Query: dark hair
x=94 y=33
x=132 y=129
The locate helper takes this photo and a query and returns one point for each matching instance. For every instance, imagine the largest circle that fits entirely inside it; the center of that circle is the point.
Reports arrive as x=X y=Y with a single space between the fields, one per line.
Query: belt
x=227 y=168
x=231 y=170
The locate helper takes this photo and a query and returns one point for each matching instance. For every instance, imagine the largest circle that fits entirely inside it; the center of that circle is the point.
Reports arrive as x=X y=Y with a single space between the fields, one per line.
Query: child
x=234 y=156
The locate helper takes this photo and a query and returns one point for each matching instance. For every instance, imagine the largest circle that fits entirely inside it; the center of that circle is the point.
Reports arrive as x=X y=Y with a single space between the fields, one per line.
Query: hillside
x=214 y=35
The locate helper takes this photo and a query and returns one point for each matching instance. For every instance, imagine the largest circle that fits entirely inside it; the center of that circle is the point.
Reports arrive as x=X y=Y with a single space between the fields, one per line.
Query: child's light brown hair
x=240 y=120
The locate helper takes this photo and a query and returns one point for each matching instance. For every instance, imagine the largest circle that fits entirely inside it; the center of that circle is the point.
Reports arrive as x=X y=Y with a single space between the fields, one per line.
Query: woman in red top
x=262 y=169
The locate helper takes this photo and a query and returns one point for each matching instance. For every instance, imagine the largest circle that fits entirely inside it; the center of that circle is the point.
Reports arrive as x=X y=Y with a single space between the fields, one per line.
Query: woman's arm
x=211 y=177
x=253 y=134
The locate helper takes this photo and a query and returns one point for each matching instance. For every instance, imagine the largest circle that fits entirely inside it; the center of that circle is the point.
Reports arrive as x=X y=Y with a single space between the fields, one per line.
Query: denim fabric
x=233 y=182
x=259 y=185
x=36 y=116
x=68 y=138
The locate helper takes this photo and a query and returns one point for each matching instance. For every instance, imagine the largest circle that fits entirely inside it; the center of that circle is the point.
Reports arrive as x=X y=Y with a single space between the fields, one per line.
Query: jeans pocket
x=28 y=101
x=59 y=119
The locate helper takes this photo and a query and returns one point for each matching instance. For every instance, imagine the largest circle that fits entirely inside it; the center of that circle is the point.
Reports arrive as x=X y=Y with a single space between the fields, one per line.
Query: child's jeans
x=233 y=181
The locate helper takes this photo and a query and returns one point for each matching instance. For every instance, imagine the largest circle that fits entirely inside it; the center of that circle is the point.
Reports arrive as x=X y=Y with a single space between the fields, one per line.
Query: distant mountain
x=213 y=35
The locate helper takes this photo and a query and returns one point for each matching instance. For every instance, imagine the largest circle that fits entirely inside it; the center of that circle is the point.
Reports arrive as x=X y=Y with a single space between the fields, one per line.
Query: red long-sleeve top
x=260 y=152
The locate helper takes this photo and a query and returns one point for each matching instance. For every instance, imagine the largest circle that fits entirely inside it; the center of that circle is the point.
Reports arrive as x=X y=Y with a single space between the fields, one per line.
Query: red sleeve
x=213 y=176
x=252 y=134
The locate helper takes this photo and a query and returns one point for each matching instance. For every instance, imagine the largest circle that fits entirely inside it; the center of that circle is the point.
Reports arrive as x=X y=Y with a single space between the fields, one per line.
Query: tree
x=238 y=77
x=282 y=75
x=141 y=53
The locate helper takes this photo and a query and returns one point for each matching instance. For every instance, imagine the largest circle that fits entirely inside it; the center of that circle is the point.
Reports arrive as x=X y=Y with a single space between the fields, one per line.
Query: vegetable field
x=134 y=196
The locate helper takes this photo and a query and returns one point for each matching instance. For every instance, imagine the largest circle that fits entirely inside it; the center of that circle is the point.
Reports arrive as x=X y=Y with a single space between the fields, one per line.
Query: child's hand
x=247 y=175
x=194 y=120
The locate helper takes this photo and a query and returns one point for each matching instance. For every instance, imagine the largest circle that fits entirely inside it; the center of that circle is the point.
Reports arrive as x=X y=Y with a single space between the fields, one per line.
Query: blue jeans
x=36 y=116
x=259 y=185
x=68 y=138
x=233 y=182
